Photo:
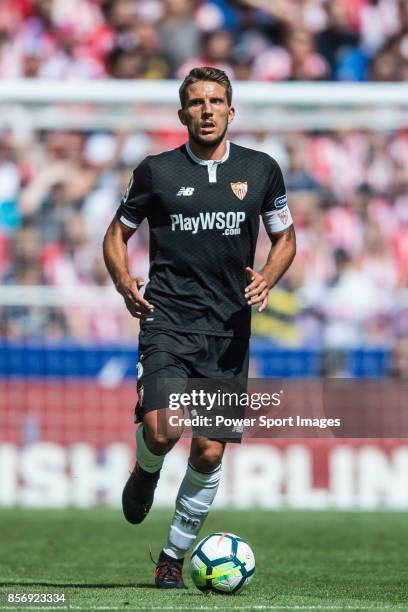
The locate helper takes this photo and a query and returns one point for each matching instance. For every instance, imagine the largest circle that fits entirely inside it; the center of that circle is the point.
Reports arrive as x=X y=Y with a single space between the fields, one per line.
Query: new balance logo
x=186 y=191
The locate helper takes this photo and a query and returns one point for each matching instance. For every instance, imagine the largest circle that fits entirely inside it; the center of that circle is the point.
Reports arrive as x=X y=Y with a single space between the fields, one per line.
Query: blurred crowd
x=269 y=40
x=347 y=191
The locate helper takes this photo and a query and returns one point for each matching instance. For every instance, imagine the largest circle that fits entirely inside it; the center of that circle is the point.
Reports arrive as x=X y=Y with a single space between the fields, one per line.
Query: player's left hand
x=257 y=291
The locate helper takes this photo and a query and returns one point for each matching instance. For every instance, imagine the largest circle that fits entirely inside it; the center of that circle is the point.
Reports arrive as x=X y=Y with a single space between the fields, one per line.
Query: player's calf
x=138 y=493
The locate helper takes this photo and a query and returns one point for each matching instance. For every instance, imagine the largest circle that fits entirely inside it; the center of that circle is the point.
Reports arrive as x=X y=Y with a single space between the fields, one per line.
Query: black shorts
x=174 y=362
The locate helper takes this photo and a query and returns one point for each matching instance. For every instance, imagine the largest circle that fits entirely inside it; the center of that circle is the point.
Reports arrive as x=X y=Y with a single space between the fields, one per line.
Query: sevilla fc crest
x=283 y=216
x=240 y=189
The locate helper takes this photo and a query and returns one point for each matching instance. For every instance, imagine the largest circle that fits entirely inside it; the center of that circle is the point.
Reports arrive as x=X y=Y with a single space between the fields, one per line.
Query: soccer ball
x=223 y=563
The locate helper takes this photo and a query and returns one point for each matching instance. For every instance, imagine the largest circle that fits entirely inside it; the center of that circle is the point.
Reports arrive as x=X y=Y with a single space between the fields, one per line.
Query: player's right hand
x=134 y=300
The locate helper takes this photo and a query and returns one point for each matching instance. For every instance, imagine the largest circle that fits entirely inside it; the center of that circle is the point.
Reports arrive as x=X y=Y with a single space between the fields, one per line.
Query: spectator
x=179 y=33
x=154 y=64
x=386 y=65
x=71 y=60
x=336 y=40
x=124 y=63
x=306 y=63
x=379 y=21
x=121 y=15
x=216 y=49
x=298 y=177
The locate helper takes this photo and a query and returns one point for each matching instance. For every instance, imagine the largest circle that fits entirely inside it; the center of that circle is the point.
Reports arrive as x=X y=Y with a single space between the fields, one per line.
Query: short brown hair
x=206 y=73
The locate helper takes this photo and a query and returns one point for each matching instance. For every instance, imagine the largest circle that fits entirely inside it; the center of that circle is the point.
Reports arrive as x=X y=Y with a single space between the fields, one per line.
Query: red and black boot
x=168 y=574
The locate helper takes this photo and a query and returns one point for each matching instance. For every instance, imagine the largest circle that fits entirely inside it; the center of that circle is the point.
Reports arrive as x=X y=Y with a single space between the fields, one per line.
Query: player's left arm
x=279 y=226
x=280 y=256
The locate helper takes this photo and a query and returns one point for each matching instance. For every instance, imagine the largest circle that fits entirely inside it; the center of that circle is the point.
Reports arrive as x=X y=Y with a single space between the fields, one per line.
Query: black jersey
x=204 y=221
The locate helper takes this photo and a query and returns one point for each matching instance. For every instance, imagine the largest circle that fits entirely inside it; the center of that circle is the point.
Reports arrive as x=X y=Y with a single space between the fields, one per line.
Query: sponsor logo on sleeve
x=281 y=201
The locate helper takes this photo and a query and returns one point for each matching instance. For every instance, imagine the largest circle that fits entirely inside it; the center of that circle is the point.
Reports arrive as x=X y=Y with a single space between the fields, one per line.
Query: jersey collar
x=208 y=162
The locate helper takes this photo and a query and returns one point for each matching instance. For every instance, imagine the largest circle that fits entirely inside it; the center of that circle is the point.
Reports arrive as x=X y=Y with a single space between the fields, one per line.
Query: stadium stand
x=59 y=189
x=268 y=40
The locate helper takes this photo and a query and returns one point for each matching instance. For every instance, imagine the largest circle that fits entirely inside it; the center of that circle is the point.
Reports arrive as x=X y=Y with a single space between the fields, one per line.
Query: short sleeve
x=135 y=202
x=275 y=210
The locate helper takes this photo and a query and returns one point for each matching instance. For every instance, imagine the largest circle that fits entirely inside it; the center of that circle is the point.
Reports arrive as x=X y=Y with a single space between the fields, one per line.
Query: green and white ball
x=222 y=563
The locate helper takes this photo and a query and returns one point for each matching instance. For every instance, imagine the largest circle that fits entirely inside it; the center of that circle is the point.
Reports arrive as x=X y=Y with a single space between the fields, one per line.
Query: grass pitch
x=305 y=560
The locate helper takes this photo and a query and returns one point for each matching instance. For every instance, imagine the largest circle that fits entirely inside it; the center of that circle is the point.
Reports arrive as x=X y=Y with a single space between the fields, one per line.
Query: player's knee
x=160 y=443
x=207 y=459
x=159 y=435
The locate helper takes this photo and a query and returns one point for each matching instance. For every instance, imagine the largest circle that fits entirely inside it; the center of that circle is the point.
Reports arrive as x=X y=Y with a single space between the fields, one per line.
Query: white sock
x=194 y=499
x=147 y=460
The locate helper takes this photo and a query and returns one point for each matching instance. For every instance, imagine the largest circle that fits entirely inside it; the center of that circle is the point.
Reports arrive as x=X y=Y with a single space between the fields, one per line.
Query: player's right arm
x=131 y=212
x=116 y=260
